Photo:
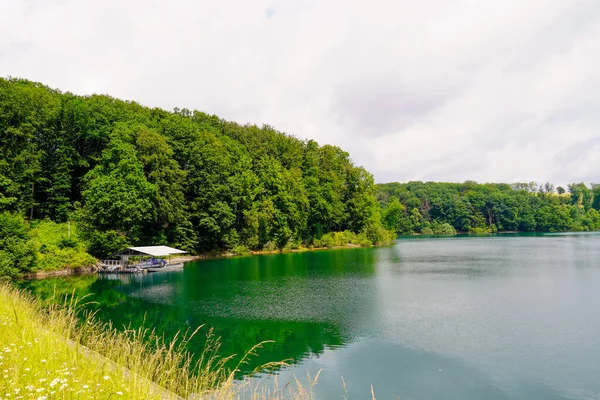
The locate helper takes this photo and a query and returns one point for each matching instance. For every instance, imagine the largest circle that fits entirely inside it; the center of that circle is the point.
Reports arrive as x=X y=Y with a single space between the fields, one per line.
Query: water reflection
x=305 y=303
x=502 y=317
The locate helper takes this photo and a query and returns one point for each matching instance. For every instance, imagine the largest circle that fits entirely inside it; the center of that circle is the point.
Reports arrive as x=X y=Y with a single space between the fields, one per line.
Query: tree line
x=447 y=208
x=129 y=174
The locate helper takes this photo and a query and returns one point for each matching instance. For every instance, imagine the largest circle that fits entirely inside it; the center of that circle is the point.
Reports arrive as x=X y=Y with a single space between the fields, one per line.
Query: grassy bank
x=48 y=353
x=36 y=246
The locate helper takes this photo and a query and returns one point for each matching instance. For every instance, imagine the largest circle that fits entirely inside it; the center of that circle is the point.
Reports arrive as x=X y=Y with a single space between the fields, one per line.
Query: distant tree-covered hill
x=130 y=174
x=442 y=208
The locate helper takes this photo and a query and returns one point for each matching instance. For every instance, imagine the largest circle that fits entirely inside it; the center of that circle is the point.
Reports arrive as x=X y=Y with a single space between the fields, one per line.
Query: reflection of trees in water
x=304 y=302
x=61 y=289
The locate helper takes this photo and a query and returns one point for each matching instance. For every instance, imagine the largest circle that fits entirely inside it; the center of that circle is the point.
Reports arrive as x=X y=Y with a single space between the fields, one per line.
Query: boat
x=168 y=267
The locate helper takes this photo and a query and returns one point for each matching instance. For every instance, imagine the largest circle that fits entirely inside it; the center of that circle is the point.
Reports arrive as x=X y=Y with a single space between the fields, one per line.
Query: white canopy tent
x=155 y=251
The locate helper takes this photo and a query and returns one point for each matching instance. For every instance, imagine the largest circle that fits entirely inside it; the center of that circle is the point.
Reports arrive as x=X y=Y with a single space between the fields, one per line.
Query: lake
x=500 y=317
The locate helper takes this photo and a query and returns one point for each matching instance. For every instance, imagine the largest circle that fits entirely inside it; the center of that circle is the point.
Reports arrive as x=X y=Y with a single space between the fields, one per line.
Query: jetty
x=134 y=260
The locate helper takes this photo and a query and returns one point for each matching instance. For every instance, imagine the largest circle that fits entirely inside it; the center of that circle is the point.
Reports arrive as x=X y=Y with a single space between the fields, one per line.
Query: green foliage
x=241 y=250
x=342 y=239
x=445 y=208
x=17 y=250
x=57 y=248
x=45 y=245
x=135 y=175
x=105 y=243
x=444 y=229
x=269 y=246
x=291 y=245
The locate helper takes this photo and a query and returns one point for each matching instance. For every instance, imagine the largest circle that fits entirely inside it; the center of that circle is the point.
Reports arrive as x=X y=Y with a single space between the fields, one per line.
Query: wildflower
x=85 y=386
x=106 y=377
x=43 y=361
x=120 y=393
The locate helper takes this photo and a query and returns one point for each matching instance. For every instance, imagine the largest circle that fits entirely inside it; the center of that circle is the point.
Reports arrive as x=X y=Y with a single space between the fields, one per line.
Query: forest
x=85 y=176
x=470 y=207
x=125 y=174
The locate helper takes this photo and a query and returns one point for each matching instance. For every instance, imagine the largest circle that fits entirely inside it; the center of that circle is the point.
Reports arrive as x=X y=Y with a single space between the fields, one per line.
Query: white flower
x=43 y=361
x=106 y=377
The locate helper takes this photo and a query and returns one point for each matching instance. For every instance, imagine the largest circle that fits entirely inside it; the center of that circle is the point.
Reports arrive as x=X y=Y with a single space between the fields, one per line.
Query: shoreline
x=212 y=255
x=89 y=270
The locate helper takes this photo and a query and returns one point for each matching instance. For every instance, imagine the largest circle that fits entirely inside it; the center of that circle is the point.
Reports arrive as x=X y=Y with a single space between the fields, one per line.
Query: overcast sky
x=444 y=90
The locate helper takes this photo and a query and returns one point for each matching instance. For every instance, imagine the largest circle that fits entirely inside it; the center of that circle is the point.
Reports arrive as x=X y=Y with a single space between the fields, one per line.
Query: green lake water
x=501 y=317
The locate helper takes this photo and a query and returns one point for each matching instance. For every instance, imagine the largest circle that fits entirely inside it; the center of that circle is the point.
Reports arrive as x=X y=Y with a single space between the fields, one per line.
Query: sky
x=432 y=90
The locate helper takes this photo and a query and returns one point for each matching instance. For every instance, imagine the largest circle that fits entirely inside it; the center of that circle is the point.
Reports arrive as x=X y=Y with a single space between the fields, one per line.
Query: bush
x=68 y=243
x=291 y=244
x=346 y=238
x=444 y=229
x=240 y=250
x=18 y=253
x=377 y=234
x=103 y=244
x=479 y=231
x=269 y=246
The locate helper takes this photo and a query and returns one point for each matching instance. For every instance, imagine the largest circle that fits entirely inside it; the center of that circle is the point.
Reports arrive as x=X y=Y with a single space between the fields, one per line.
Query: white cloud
x=431 y=90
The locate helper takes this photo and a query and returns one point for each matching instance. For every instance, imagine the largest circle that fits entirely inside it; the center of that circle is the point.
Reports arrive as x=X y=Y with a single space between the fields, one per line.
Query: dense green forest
x=123 y=174
x=126 y=174
x=447 y=208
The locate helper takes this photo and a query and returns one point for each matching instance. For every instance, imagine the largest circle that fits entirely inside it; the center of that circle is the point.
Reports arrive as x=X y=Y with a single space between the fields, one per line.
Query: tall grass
x=51 y=353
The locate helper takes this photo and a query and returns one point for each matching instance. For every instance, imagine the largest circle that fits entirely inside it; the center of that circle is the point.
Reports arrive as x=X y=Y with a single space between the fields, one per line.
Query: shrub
x=240 y=250
x=269 y=246
x=444 y=229
x=18 y=253
x=426 y=231
x=480 y=231
x=291 y=244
